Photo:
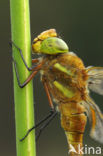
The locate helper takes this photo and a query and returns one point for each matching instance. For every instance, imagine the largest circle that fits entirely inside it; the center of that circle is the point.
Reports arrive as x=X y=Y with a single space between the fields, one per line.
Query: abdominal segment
x=73 y=121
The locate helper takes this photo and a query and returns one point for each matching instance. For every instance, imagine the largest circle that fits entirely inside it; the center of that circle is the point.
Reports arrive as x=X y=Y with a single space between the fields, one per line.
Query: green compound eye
x=53 y=45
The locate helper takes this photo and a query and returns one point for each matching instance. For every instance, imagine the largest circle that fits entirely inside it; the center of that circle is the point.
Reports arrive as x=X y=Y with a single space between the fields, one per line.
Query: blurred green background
x=80 y=24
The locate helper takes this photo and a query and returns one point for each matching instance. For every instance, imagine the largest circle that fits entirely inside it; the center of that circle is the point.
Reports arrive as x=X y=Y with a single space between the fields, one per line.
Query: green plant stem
x=24 y=111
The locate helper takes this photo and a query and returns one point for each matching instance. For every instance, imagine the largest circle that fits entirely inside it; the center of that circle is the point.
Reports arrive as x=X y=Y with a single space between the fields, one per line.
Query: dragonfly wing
x=96 y=119
x=95 y=81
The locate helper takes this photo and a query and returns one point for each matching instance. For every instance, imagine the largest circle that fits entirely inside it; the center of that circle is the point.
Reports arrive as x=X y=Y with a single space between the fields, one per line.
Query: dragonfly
x=67 y=83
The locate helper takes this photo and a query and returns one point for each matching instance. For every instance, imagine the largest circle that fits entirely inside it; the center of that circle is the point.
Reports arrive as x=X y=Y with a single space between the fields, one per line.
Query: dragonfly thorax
x=66 y=77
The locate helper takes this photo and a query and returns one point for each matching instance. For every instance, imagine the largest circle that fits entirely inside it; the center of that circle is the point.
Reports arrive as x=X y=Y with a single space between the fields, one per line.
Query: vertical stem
x=24 y=115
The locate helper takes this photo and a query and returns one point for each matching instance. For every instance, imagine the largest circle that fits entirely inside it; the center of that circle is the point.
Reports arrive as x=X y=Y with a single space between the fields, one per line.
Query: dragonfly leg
x=47 y=93
x=51 y=113
x=34 y=60
x=46 y=124
x=27 y=80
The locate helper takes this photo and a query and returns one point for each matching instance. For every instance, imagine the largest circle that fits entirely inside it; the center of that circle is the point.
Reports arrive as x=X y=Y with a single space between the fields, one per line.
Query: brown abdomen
x=74 y=126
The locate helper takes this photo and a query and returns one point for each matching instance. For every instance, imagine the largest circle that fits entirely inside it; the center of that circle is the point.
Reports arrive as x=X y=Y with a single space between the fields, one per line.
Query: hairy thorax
x=66 y=77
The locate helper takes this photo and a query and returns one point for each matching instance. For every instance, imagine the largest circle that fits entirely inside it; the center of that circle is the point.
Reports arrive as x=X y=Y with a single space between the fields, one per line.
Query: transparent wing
x=95 y=81
x=96 y=119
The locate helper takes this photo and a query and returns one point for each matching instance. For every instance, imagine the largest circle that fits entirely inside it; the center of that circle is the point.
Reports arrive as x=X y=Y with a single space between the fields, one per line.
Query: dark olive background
x=80 y=24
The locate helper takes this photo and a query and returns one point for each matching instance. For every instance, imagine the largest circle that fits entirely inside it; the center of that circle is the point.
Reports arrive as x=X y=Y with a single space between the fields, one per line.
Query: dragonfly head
x=48 y=43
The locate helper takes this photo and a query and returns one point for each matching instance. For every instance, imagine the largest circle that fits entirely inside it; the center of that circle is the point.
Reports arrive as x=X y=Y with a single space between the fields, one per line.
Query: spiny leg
x=46 y=124
x=45 y=84
x=51 y=113
x=27 y=80
x=48 y=118
x=34 y=60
